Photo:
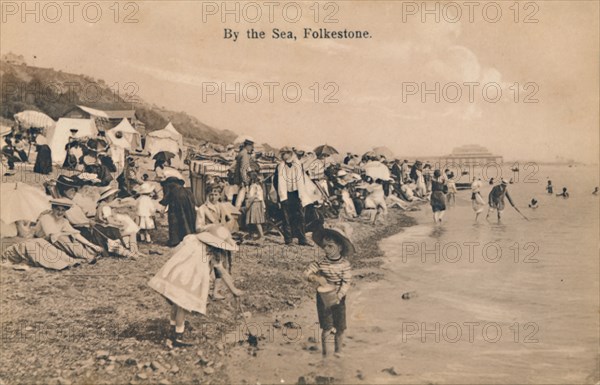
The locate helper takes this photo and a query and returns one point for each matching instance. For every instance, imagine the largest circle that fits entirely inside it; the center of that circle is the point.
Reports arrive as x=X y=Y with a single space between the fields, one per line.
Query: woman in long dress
x=184 y=280
x=43 y=160
x=56 y=244
x=438 y=198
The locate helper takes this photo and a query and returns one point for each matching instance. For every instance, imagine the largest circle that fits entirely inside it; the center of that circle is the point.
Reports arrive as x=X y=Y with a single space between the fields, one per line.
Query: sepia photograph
x=299 y=192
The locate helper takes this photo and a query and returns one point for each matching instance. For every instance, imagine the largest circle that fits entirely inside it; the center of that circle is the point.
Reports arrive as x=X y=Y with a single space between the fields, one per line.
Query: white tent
x=129 y=134
x=58 y=136
x=167 y=139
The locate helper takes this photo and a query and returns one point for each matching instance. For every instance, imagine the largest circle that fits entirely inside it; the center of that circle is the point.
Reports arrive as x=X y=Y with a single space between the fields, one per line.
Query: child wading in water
x=333 y=271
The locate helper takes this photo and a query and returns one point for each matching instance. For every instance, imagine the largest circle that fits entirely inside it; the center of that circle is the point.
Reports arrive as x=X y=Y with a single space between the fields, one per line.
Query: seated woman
x=102 y=172
x=127 y=227
x=105 y=236
x=128 y=179
x=56 y=244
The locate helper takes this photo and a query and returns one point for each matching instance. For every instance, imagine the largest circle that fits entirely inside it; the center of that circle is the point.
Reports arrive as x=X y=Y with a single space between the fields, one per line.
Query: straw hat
x=68 y=182
x=219 y=237
x=145 y=188
x=347 y=248
x=504 y=182
x=63 y=202
x=107 y=192
x=285 y=149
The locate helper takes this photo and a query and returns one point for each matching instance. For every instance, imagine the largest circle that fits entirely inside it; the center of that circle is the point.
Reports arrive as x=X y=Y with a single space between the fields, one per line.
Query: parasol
x=35 y=119
x=325 y=149
x=383 y=151
x=165 y=156
x=377 y=170
x=21 y=201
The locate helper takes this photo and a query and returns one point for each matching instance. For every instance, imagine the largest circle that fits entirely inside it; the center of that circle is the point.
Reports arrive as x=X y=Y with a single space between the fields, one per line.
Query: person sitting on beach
x=533 y=204
x=55 y=244
x=332 y=272
x=491 y=181
x=549 y=188
x=596 y=191
x=564 y=193
x=127 y=227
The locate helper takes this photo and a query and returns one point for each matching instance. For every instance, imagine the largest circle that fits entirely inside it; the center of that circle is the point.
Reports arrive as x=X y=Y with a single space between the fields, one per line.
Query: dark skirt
x=43 y=161
x=438 y=201
x=334 y=316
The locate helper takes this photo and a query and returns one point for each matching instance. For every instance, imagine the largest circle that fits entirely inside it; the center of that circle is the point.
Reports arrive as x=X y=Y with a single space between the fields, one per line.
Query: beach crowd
x=106 y=200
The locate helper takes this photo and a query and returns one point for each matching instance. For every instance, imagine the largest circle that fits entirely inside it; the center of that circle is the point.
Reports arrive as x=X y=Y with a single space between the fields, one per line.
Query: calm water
x=502 y=303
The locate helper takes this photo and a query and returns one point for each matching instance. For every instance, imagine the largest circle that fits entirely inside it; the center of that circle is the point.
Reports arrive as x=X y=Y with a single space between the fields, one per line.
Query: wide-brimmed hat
x=285 y=149
x=107 y=192
x=219 y=237
x=63 y=202
x=68 y=182
x=347 y=248
x=145 y=188
x=503 y=181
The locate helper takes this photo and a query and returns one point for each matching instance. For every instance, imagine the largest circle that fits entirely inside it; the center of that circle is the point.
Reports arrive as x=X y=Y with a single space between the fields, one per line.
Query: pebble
x=175 y=369
x=209 y=371
x=157 y=366
x=164 y=382
x=102 y=354
x=63 y=381
x=142 y=376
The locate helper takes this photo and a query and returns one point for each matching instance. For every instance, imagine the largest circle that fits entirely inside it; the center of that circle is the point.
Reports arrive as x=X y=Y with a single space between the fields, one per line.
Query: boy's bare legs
x=339 y=340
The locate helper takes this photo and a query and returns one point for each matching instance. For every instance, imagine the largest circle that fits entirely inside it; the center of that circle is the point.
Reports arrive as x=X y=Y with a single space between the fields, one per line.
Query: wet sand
x=467 y=321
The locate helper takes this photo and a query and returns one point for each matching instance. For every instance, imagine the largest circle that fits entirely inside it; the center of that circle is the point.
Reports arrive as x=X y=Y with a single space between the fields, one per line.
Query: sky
x=525 y=90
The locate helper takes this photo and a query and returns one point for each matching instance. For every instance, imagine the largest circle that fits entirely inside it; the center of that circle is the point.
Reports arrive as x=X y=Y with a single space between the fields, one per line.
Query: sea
x=515 y=301
x=468 y=302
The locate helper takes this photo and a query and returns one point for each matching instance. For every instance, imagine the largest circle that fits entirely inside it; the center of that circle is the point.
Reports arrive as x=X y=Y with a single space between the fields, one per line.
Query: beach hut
x=58 y=136
x=130 y=134
x=167 y=139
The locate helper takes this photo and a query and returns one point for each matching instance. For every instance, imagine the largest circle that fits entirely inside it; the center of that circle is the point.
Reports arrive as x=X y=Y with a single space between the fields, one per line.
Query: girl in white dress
x=145 y=212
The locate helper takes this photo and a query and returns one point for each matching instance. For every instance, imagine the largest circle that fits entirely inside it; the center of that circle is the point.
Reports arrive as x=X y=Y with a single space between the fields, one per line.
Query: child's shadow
x=154 y=330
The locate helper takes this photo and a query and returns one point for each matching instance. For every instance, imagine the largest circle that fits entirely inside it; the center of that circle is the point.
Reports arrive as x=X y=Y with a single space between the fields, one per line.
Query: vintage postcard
x=299 y=192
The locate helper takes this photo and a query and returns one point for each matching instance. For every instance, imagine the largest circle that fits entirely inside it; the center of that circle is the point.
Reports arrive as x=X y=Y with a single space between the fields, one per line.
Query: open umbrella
x=21 y=201
x=36 y=119
x=377 y=170
x=325 y=149
x=164 y=156
x=383 y=151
